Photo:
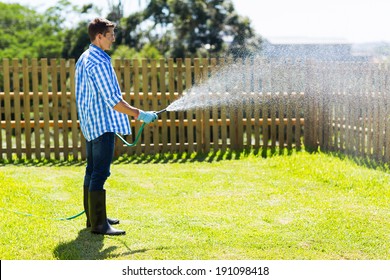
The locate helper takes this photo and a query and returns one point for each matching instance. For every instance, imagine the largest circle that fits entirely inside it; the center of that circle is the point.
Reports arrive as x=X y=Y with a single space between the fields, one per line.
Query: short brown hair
x=99 y=26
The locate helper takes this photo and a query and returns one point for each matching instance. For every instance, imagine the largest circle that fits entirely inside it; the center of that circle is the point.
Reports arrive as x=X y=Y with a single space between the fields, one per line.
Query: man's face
x=105 y=41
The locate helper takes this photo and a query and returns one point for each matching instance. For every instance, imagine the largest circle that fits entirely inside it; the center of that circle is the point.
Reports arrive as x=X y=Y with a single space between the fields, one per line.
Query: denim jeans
x=100 y=152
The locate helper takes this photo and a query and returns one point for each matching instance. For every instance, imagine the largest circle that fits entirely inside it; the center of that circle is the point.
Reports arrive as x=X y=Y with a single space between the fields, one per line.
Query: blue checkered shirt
x=97 y=92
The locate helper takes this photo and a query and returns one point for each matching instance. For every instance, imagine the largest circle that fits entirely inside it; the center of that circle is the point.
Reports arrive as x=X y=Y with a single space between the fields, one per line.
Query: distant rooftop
x=325 y=49
x=306 y=41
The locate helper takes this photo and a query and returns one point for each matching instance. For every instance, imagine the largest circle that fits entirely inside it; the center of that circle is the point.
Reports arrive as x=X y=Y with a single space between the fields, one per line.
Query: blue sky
x=353 y=21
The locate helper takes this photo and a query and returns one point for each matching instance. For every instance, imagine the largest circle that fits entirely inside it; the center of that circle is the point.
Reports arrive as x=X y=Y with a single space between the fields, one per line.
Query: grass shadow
x=42 y=162
x=163 y=158
x=89 y=246
x=366 y=162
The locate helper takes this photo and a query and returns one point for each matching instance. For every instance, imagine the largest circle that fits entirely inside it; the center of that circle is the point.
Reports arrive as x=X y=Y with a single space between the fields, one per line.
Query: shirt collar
x=94 y=48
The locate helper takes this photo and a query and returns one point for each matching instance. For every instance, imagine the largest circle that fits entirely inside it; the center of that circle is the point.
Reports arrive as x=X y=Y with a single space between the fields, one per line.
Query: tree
x=24 y=33
x=191 y=28
x=147 y=51
x=76 y=39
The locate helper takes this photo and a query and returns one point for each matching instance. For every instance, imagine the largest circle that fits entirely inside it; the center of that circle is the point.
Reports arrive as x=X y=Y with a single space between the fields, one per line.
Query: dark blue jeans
x=100 y=152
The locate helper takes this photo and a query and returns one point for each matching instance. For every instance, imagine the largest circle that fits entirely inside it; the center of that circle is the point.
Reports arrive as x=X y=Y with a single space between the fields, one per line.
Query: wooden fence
x=286 y=101
x=349 y=109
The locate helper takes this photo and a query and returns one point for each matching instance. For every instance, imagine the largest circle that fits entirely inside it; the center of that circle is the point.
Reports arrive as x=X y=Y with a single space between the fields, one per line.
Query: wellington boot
x=111 y=221
x=98 y=214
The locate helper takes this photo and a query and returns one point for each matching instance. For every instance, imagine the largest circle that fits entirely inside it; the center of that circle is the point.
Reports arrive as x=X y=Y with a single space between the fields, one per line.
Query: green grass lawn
x=283 y=207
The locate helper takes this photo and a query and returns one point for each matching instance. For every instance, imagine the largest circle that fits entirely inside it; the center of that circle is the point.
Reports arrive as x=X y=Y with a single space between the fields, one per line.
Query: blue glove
x=147 y=117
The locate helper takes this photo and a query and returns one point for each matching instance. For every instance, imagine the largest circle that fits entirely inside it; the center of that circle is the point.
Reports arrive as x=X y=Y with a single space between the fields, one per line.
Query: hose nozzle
x=161 y=111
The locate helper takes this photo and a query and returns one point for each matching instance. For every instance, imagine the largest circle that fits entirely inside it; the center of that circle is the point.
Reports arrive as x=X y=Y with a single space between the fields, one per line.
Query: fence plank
x=64 y=108
x=54 y=81
x=26 y=107
x=369 y=123
x=164 y=103
x=281 y=113
x=172 y=115
x=248 y=123
x=7 y=107
x=386 y=82
x=137 y=97
x=180 y=115
x=215 y=109
x=381 y=128
x=190 y=113
x=45 y=101
x=265 y=111
x=36 y=104
x=256 y=115
x=156 y=139
x=198 y=114
x=145 y=104
x=17 y=107
x=298 y=107
x=205 y=112
x=119 y=146
x=273 y=120
x=290 y=97
x=223 y=112
x=363 y=123
x=73 y=110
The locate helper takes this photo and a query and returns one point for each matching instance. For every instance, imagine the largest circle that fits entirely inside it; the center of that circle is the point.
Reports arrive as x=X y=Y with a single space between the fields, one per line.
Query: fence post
x=164 y=103
x=309 y=109
x=156 y=140
x=64 y=108
x=198 y=113
x=73 y=110
x=27 y=110
x=171 y=88
x=36 y=108
x=7 y=105
x=205 y=112
x=46 y=119
x=190 y=113
x=17 y=107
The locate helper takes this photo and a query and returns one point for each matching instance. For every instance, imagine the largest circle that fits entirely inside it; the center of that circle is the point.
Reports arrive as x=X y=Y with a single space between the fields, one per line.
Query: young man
x=102 y=113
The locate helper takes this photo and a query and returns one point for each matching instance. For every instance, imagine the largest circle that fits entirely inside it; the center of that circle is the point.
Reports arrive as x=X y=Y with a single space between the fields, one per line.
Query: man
x=102 y=113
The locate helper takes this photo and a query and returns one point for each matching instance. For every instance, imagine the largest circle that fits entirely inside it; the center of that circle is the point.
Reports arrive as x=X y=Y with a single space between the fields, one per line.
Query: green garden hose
x=136 y=137
x=45 y=218
x=139 y=132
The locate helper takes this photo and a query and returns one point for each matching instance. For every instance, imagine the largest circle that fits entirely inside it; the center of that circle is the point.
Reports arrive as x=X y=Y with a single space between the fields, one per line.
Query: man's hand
x=147 y=117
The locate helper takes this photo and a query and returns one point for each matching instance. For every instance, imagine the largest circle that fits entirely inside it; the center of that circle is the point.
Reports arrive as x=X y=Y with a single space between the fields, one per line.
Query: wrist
x=138 y=114
x=141 y=114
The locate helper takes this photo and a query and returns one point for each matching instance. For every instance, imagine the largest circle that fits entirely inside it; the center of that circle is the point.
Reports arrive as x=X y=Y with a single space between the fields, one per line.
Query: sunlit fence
x=287 y=104
x=349 y=108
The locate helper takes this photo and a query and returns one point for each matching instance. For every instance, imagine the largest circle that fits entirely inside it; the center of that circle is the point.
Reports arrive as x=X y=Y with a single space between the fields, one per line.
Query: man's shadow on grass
x=89 y=246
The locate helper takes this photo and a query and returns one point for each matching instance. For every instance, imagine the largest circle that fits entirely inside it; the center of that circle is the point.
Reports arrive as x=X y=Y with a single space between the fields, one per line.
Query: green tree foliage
x=147 y=51
x=190 y=28
x=76 y=39
x=168 y=28
x=24 y=33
